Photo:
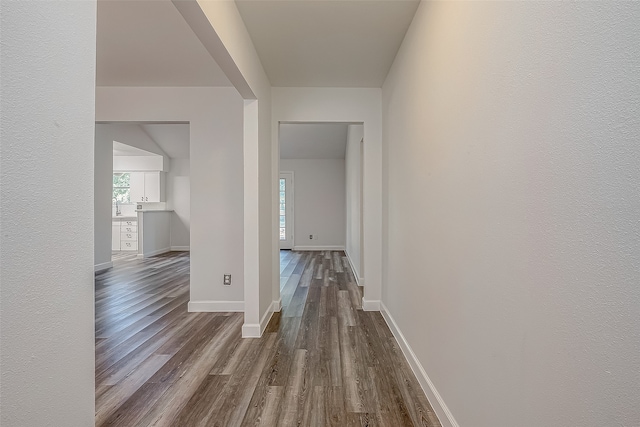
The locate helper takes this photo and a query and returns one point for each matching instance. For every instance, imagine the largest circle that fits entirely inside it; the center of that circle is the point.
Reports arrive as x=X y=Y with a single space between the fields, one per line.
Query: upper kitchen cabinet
x=147 y=187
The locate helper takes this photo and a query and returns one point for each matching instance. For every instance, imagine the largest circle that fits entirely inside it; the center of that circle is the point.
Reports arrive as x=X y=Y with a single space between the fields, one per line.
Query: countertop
x=154 y=210
x=125 y=218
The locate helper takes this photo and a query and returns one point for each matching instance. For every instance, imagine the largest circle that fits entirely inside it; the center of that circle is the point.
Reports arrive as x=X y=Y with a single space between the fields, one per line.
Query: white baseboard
x=216 y=306
x=277 y=305
x=251 y=330
x=318 y=248
x=102 y=266
x=370 y=305
x=156 y=252
x=442 y=411
x=254 y=330
x=180 y=248
x=359 y=280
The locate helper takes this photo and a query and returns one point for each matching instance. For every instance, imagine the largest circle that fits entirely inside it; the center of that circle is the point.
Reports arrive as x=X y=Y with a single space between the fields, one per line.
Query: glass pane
x=121 y=190
x=121 y=179
x=282 y=213
x=121 y=195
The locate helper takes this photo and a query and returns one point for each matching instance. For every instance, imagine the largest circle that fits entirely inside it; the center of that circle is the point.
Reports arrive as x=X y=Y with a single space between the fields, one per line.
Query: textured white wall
x=46 y=250
x=179 y=199
x=511 y=131
x=216 y=172
x=353 y=184
x=319 y=201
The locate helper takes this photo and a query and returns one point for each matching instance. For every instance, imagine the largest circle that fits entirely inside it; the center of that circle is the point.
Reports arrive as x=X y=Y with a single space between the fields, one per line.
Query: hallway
x=321 y=361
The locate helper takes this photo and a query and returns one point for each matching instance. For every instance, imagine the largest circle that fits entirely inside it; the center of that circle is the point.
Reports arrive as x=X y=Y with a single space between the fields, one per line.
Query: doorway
x=285 y=210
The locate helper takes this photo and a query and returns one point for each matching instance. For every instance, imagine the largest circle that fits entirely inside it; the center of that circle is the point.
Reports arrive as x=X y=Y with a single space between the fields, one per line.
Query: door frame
x=289 y=210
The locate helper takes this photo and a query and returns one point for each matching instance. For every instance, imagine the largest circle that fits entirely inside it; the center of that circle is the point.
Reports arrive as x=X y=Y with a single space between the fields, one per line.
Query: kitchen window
x=121 y=187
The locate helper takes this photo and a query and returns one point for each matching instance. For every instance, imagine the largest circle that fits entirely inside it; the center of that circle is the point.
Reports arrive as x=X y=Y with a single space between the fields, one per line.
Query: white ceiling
x=327 y=43
x=120 y=149
x=148 y=43
x=172 y=138
x=313 y=140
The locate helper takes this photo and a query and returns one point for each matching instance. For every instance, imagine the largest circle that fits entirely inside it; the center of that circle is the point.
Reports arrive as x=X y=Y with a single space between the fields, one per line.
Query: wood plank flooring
x=322 y=361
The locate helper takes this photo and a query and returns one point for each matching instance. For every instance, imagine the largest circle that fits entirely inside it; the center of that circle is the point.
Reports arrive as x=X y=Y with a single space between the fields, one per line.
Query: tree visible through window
x=121 y=187
x=283 y=228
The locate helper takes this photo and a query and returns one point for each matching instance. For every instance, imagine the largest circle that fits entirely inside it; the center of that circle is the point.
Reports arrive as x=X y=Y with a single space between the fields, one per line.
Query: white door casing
x=285 y=210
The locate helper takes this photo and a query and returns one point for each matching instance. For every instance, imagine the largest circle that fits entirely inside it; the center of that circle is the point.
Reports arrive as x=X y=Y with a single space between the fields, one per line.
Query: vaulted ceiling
x=318 y=43
x=327 y=43
x=148 y=43
x=313 y=140
x=301 y=43
x=172 y=138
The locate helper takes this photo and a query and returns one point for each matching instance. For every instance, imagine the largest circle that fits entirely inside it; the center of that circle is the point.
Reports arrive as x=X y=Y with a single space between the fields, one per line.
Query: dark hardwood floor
x=322 y=361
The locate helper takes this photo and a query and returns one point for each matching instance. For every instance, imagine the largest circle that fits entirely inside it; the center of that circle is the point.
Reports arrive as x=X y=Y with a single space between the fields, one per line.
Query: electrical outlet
x=310 y=236
x=227 y=280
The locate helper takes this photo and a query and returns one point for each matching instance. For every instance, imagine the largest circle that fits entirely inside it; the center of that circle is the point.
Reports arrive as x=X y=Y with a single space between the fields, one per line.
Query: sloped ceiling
x=313 y=140
x=327 y=43
x=172 y=138
x=148 y=43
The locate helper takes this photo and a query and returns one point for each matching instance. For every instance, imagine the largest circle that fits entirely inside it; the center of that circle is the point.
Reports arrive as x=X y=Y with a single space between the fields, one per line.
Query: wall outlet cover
x=227 y=280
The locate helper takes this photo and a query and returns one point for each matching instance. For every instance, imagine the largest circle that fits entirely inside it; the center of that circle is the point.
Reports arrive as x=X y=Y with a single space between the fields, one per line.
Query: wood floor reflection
x=322 y=361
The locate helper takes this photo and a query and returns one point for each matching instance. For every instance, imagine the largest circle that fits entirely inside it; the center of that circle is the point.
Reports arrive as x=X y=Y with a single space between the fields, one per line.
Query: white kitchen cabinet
x=136 y=182
x=124 y=235
x=147 y=186
x=115 y=235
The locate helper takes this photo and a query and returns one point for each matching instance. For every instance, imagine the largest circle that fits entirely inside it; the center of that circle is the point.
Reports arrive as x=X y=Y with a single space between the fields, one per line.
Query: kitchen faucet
x=118 y=213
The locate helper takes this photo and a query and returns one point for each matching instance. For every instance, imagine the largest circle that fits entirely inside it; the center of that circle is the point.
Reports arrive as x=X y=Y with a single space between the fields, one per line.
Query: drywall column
x=46 y=198
x=353 y=178
x=251 y=325
x=220 y=28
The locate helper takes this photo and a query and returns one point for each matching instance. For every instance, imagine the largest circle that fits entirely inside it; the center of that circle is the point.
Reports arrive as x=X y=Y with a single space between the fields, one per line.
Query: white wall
x=511 y=131
x=353 y=185
x=319 y=202
x=216 y=175
x=103 y=196
x=346 y=105
x=137 y=163
x=178 y=199
x=221 y=30
x=46 y=199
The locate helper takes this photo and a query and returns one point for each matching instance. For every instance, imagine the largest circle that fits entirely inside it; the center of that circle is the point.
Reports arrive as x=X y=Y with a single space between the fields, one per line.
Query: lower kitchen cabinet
x=124 y=235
